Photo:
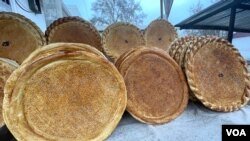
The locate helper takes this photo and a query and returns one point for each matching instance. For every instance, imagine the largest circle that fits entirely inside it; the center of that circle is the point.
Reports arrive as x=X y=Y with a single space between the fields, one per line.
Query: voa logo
x=236 y=132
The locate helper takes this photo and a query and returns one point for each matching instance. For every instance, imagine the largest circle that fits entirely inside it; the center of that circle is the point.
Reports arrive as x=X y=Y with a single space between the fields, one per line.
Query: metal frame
x=161 y=5
x=231 y=22
x=233 y=5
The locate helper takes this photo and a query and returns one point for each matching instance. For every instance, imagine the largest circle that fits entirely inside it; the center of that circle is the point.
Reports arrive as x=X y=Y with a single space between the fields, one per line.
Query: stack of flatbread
x=19 y=37
x=120 y=37
x=216 y=72
x=69 y=89
x=64 y=91
x=156 y=86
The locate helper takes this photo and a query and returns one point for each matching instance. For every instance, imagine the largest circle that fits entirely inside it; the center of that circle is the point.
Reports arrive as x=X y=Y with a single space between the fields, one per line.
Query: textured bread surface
x=64 y=95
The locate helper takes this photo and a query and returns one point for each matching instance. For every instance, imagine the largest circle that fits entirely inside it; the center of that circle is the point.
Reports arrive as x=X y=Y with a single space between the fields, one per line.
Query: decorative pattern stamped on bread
x=228 y=86
x=160 y=33
x=121 y=37
x=64 y=93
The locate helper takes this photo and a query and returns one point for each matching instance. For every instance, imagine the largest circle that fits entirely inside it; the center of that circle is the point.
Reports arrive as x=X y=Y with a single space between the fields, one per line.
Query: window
x=6 y=1
x=34 y=6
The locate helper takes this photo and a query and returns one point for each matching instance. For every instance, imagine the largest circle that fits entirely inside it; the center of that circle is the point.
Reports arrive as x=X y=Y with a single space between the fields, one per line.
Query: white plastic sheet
x=197 y=123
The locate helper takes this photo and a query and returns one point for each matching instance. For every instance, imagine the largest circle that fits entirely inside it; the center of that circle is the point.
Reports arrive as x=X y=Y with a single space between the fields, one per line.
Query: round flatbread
x=6 y=68
x=172 y=47
x=160 y=33
x=73 y=30
x=121 y=37
x=176 y=50
x=63 y=47
x=217 y=75
x=19 y=36
x=64 y=95
x=16 y=15
x=157 y=90
x=193 y=42
x=124 y=56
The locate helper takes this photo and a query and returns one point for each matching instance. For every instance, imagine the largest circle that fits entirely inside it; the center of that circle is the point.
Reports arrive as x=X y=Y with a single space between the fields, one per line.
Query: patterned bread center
x=154 y=87
x=121 y=39
x=71 y=98
x=160 y=35
x=218 y=73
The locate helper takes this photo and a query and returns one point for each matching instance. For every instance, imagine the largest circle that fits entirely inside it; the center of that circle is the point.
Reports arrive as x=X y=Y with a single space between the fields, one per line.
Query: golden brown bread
x=19 y=36
x=180 y=47
x=157 y=90
x=175 y=45
x=121 y=37
x=124 y=56
x=217 y=75
x=16 y=15
x=193 y=42
x=177 y=51
x=73 y=30
x=64 y=95
x=55 y=47
x=160 y=33
x=6 y=68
